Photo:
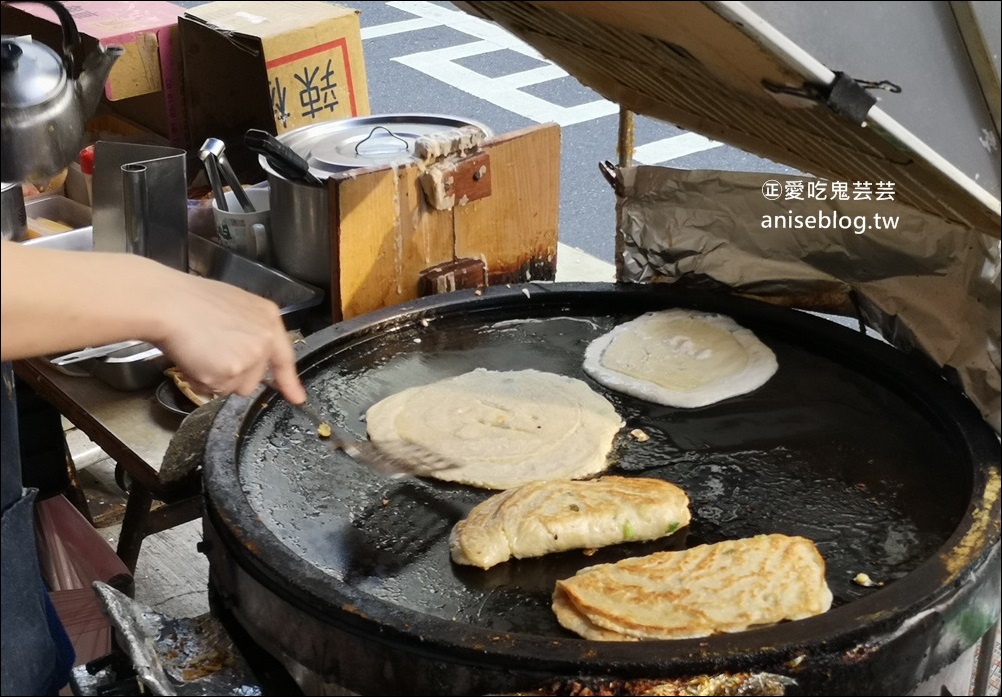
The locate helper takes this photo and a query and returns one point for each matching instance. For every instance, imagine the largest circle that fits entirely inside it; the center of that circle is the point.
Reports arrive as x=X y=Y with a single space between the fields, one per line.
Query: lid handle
x=377 y=151
x=71 y=36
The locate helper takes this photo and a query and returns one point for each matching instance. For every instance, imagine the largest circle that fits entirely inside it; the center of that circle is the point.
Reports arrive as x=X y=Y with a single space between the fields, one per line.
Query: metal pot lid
x=367 y=141
x=33 y=72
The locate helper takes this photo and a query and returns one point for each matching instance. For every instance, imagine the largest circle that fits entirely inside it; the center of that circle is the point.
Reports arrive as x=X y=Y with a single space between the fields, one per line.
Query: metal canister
x=300 y=212
x=13 y=219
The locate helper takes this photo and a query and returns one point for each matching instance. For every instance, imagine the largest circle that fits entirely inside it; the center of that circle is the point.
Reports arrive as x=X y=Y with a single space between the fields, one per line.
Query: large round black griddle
x=852 y=444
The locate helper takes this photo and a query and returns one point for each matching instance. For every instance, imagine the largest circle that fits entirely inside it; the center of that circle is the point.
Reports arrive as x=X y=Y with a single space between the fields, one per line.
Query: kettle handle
x=71 y=37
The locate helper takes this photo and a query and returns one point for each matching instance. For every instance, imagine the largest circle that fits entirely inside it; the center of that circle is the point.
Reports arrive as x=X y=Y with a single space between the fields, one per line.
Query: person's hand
x=226 y=338
x=220 y=336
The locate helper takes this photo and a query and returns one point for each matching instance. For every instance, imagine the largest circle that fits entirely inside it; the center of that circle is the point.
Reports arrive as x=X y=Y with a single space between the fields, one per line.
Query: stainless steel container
x=133 y=368
x=13 y=219
x=300 y=213
x=299 y=234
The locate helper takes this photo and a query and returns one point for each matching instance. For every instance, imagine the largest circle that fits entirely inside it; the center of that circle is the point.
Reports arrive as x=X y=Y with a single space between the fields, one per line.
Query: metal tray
x=133 y=368
x=293 y=297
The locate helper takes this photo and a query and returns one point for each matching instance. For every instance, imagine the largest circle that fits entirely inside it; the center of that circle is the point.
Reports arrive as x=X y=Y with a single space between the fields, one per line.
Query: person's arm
x=219 y=335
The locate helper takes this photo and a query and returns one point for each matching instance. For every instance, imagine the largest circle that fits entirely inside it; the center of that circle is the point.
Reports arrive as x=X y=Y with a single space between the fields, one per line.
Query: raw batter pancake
x=680 y=358
x=730 y=586
x=557 y=515
x=504 y=428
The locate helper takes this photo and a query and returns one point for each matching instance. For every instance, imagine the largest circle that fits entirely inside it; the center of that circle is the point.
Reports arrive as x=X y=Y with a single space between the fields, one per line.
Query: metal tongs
x=406 y=458
x=213 y=154
x=93 y=352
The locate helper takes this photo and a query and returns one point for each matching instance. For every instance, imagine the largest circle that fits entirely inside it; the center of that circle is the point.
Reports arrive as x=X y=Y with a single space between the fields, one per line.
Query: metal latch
x=845 y=95
x=456 y=171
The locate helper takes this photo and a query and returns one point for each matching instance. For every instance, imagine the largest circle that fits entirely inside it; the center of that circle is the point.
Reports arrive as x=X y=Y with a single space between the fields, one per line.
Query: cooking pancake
x=729 y=586
x=503 y=428
x=557 y=515
x=680 y=358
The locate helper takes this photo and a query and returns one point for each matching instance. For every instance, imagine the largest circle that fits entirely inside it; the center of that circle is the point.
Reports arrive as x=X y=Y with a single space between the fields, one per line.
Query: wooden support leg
x=75 y=493
x=173 y=514
x=986 y=655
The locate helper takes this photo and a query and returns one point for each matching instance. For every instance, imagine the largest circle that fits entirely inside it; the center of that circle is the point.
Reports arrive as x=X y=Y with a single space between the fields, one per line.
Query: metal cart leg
x=137 y=513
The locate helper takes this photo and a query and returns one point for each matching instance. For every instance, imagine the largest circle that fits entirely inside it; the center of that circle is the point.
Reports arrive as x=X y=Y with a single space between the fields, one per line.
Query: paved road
x=431 y=57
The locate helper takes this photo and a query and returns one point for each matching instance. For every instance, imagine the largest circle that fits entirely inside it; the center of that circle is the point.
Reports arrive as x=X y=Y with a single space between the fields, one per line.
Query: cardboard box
x=268 y=65
x=162 y=112
x=143 y=28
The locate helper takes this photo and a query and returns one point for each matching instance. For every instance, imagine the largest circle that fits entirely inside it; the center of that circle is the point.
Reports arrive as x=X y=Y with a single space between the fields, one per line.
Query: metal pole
x=624 y=148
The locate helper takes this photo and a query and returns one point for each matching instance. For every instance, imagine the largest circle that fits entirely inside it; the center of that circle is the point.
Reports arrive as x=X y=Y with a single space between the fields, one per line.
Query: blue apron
x=36 y=654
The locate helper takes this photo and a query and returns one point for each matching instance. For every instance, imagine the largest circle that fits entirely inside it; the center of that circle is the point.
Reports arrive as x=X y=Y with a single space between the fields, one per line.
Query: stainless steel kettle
x=43 y=109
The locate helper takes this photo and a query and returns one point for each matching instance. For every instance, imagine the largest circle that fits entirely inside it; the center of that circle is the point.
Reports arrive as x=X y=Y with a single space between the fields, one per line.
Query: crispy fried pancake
x=557 y=515
x=730 y=586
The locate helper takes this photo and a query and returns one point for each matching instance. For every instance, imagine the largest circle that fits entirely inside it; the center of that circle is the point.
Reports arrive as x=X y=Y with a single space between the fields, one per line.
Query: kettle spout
x=94 y=74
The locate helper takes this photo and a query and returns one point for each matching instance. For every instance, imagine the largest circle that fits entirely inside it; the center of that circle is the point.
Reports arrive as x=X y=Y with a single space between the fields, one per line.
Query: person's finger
x=200 y=387
x=250 y=380
x=286 y=379
x=285 y=376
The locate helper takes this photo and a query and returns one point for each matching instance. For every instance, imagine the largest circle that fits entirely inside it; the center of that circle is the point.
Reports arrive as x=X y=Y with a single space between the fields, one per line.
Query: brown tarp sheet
x=925 y=286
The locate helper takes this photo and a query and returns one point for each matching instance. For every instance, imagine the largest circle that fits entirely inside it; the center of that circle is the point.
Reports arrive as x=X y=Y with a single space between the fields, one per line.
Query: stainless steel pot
x=300 y=212
x=300 y=230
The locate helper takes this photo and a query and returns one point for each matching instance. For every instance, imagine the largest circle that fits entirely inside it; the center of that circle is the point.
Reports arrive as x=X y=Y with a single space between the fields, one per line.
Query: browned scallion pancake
x=725 y=587
x=556 y=515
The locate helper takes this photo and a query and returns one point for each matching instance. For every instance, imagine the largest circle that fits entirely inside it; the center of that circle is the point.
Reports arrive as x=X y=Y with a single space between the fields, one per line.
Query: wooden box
x=395 y=234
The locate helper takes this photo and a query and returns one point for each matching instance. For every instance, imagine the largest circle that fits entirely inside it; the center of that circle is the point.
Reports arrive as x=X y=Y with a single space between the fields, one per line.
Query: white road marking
x=668 y=149
x=499 y=91
x=468 y=24
x=575 y=265
x=504 y=91
x=533 y=76
x=400 y=27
